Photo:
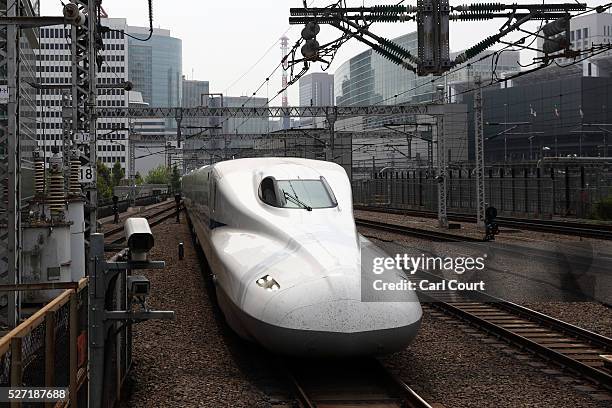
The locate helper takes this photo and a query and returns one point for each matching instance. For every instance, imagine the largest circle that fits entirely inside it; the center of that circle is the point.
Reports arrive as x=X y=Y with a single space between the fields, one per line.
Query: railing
x=49 y=349
x=514 y=192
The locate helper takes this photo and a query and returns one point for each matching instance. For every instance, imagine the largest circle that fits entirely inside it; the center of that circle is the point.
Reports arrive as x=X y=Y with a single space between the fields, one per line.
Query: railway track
x=438 y=236
x=346 y=384
x=568 y=346
x=598 y=231
x=113 y=238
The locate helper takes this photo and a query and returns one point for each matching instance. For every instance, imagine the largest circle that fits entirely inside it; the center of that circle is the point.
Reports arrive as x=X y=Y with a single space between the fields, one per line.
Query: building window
x=571 y=36
x=585 y=31
x=578 y=36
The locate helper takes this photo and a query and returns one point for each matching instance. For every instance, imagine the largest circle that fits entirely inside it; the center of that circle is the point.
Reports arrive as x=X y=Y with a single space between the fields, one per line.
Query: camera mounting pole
x=106 y=280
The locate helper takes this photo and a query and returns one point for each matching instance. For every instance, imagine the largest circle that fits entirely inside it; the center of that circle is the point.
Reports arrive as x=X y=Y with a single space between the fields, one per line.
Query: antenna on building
x=285 y=51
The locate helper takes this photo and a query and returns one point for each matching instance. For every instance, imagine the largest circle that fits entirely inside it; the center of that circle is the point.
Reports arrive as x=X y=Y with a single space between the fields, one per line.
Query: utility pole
x=84 y=54
x=479 y=147
x=132 y=164
x=331 y=123
x=505 y=132
x=442 y=164
x=11 y=168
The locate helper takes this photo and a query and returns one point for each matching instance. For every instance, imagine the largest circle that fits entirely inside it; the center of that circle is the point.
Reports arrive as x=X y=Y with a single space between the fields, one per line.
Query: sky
x=234 y=44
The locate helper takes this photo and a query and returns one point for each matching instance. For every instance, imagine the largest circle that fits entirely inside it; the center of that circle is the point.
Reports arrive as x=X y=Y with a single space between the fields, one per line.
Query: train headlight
x=268 y=283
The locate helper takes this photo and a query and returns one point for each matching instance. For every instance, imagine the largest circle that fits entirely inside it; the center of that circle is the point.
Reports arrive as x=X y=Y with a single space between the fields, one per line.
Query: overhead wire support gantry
x=432 y=18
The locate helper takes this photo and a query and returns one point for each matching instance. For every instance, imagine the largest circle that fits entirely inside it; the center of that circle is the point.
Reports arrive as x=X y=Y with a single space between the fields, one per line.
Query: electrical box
x=45 y=258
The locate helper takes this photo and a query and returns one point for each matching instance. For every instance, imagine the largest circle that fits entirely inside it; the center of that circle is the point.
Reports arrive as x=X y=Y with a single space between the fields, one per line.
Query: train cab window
x=267 y=192
x=304 y=194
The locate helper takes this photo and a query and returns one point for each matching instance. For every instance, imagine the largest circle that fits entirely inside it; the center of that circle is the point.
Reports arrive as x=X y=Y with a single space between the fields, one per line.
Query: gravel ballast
x=195 y=361
x=448 y=366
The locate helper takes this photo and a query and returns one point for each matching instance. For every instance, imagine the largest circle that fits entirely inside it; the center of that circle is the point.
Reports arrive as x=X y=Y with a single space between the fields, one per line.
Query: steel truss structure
x=273 y=112
x=10 y=173
x=479 y=148
x=84 y=51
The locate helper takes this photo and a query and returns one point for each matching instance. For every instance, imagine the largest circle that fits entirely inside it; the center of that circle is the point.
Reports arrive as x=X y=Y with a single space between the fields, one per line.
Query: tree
x=118 y=174
x=104 y=182
x=175 y=179
x=138 y=179
x=158 y=175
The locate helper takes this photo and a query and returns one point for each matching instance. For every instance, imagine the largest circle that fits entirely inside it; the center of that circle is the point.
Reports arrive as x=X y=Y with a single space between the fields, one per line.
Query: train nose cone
x=351 y=316
x=316 y=318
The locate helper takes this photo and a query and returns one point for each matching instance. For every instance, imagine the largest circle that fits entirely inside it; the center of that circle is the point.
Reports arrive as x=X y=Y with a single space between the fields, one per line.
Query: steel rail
x=487 y=313
x=598 y=231
x=389 y=389
x=415 y=232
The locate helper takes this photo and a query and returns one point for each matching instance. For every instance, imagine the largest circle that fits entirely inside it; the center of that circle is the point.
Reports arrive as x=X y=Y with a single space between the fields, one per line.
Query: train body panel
x=282 y=267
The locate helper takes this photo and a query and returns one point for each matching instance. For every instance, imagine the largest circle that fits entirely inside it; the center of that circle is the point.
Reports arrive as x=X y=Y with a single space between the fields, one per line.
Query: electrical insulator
x=73 y=15
x=310 y=31
x=39 y=173
x=554 y=44
x=557 y=35
x=56 y=197
x=556 y=27
x=310 y=50
x=75 y=168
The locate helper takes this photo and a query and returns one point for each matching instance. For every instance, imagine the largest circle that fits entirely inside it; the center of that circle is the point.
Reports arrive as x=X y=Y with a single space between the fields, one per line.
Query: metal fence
x=49 y=349
x=533 y=192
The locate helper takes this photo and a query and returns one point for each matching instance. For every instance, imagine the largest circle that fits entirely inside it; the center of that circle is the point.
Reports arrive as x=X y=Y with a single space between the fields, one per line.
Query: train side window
x=267 y=192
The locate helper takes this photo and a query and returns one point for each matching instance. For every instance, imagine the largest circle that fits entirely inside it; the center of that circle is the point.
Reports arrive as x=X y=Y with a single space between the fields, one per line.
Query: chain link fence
x=49 y=349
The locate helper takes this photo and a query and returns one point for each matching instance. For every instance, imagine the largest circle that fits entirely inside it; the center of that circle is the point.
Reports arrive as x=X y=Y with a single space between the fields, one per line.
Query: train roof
x=277 y=166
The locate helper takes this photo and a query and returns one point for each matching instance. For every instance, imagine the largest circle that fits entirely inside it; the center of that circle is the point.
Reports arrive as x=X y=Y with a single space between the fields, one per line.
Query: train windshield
x=304 y=194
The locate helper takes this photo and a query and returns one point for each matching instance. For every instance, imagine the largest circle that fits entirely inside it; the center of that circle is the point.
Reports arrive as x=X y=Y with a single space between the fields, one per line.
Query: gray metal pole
x=14 y=169
x=479 y=147
x=92 y=26
x=97 y=292
x=442 y=168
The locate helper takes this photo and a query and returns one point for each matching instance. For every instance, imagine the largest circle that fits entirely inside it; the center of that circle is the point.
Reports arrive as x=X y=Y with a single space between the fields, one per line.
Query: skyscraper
x=155 y=66
x=194 y=94
x=54 y=65
x=316 y=89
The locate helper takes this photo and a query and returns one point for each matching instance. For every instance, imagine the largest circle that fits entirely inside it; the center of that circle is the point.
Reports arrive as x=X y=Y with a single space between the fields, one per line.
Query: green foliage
x=175 y=179
x=158 y=175
x=603 y=209
x=118 y=174
x=108 y=179
x=138 y=179
x=104 y=182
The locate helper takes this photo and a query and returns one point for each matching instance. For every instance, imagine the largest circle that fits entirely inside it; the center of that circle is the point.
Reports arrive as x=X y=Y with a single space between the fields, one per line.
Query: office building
x=316 y=89
x=54 y=66
x=155 y=67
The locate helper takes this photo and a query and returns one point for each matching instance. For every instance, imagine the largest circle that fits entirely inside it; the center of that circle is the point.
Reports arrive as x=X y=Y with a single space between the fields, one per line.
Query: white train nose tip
x=342 y=328
x=351 y=316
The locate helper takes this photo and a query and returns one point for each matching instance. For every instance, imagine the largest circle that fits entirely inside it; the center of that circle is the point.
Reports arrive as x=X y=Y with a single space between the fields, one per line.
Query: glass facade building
x=155 y=66
x=369 y=79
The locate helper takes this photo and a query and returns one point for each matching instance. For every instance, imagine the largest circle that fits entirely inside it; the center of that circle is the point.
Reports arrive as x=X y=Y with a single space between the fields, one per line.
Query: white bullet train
x=287 y=261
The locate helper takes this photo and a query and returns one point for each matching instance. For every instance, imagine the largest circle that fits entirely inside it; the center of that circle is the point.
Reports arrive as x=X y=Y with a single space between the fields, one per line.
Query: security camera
x=73 y=15
x=138 y=286
x=139 y=238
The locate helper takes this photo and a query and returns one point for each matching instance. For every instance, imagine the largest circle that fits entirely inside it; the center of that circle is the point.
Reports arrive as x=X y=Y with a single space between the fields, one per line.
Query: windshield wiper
x=297 y=201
